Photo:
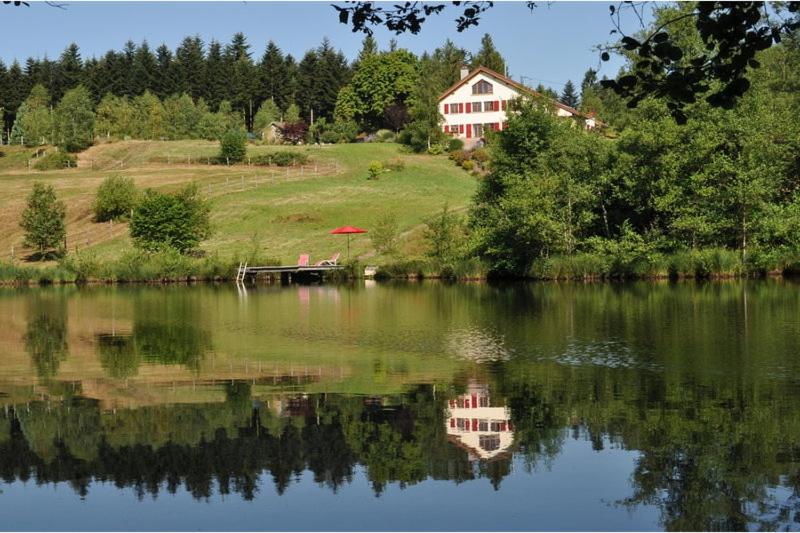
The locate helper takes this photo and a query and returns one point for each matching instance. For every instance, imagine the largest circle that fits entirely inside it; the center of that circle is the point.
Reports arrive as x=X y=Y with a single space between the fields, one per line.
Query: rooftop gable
x=508 y=81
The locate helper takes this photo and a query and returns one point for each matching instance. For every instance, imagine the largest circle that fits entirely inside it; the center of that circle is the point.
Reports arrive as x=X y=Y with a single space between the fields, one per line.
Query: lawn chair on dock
x=333 y=261
x=303 y=260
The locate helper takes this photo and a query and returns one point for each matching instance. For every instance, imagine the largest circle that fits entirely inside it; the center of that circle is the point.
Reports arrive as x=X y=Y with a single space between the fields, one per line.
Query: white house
x=479 y=100
x=484 y=431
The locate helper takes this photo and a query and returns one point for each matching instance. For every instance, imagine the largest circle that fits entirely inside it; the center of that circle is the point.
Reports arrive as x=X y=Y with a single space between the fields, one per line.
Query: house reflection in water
x=484 y=431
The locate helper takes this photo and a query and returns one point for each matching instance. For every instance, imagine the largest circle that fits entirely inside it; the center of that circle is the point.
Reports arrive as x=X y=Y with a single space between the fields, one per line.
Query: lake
x=413 y=406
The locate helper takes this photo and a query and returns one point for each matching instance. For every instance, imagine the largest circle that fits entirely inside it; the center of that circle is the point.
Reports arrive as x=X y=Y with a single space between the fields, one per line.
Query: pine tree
x=274 y=77
x=569 y=96
x=125 y=68
x=242 y=76
x=17 y=91
x=449 y=59
x=217 y=81
x=190 y=67
x=321 y=74
x=369 y=47
x=488 y=56
x=144 y=70
x=166 y=76
x=69 y=72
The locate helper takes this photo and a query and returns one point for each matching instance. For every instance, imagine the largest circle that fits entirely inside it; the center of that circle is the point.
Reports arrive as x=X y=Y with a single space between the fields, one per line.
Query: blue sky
x=549 y=45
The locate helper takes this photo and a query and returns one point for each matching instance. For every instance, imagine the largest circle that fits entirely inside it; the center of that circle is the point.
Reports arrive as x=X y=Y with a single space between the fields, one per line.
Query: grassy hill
x=281 y=211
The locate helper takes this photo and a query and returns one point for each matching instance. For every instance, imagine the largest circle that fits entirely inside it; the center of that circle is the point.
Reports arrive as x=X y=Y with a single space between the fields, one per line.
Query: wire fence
x=264 y=175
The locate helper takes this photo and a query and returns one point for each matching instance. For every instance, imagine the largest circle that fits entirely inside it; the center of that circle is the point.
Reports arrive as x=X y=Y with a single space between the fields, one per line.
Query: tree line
x=649 y=196
x=227 y=79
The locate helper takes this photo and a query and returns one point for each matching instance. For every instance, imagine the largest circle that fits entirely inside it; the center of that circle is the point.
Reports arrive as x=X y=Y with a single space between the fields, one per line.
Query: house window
x=482 y=87
x=484 y=401
x=489 y=443
x=489 y=106
x=453 y=108
x=477 y=129
x=476 y=107
x=483 y=425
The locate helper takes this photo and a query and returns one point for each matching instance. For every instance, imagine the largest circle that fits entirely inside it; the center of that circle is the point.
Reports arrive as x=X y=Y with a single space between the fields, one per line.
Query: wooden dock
x=287 y=273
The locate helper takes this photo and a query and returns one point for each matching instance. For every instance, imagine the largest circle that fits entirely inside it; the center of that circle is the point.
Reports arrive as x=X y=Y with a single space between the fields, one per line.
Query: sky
x=550 y=45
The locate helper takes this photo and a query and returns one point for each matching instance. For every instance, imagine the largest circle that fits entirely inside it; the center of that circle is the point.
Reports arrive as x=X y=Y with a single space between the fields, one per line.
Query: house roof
x=508 y=81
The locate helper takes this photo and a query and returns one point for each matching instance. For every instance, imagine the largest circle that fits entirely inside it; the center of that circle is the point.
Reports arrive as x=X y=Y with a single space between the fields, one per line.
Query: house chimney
x=464 y=71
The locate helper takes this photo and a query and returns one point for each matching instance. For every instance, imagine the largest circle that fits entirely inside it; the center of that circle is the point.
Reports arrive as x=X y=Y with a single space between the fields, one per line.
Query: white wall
x=463 y=94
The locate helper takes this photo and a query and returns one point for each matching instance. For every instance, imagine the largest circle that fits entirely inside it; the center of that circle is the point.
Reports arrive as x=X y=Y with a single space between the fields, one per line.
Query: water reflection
x=395 y=387
x=46 y=332
x=478 y=425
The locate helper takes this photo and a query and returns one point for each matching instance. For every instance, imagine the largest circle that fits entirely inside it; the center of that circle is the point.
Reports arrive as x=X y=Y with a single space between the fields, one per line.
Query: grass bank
x=284 y=212
x=713 y=263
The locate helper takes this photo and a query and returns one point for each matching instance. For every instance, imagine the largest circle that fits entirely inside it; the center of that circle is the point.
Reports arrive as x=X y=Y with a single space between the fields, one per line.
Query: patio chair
x=333 y=261
x=303 y=260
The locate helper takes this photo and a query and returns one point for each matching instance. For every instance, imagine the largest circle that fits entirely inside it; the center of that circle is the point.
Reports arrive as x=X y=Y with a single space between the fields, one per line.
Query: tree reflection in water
x=46 y=333
x=699 y=479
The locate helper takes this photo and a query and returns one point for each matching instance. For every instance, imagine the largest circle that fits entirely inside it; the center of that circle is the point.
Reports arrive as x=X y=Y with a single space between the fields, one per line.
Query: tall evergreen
x=190 y=67
x=242 y=79
x=488 y=56
x=217 y=82
x=69 y=72
x=449 y=59
x=569 y=96
x=125 y=66
x=166 y=82
x=144 y=70
x=369 y=47
x=273 y=78
x=17 y=91
x=321 y=74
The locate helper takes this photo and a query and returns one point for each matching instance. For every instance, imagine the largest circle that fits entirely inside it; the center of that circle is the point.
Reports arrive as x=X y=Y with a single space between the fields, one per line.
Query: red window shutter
x=474 y=424
x=460 y=108
x=496 y=126
x=446 y=128
x=446 y=108
x=505 y=125
x=460 y=128
x=469 y=131
x=452 y=422
x=469 y=107
x=497 y=105
x=474 y=401
x=504 y=105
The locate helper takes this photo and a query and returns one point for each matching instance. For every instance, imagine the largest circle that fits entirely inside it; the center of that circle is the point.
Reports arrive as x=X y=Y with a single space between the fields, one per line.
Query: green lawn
x=282 y=215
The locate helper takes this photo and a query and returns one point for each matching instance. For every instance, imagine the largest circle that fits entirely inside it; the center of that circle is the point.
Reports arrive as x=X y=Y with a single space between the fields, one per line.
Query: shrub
x=233 y=146
x=384 y=136
x=436 y=149
x=43 y=219
x=114 y=199
x=396 y=164
x=443 y=233
x=286 y=159
x=454 y=145
x=480 y=155
x=178 y=221
x=468 y=164
x=56 y=161
x=458 y=156
x=375 y=169
x=281 y=159
x=82 y=265
x=385 y=233
x=330 y=137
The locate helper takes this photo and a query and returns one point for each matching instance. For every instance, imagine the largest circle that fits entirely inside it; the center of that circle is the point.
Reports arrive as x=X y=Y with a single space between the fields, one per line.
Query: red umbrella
x=347 y=230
